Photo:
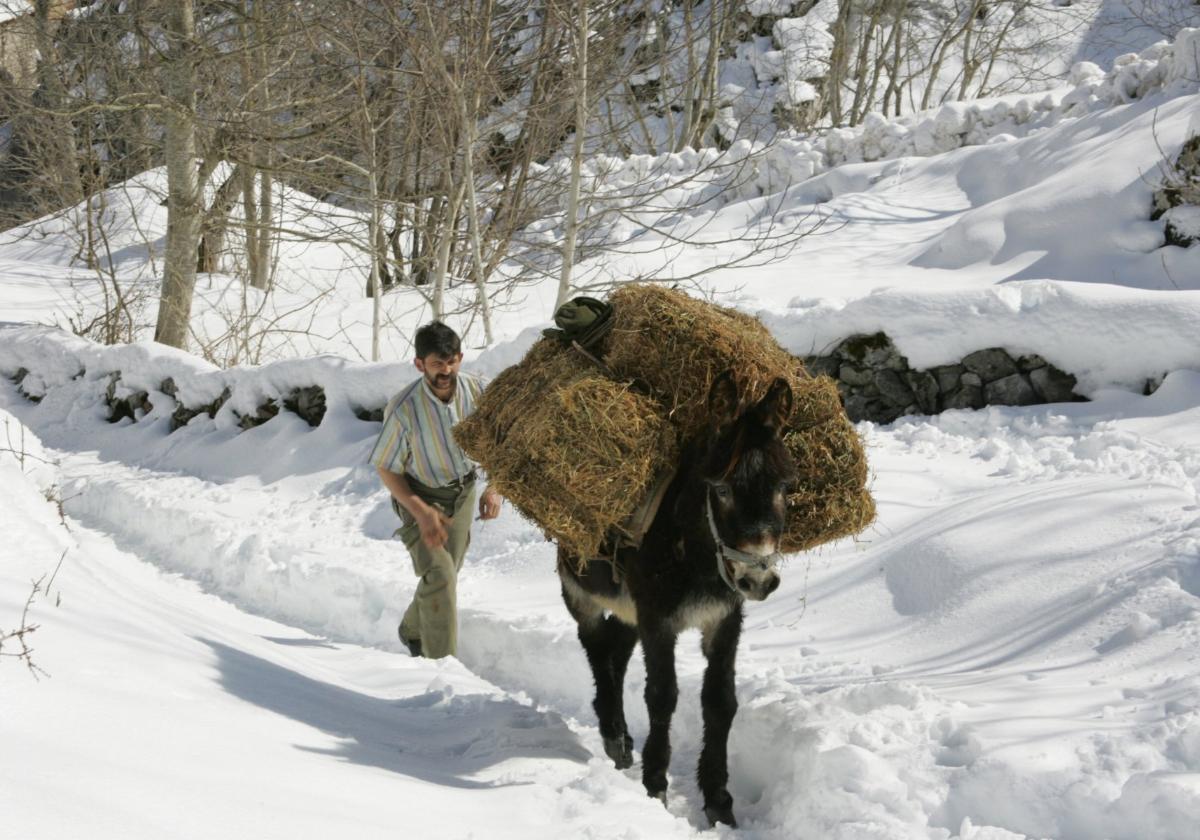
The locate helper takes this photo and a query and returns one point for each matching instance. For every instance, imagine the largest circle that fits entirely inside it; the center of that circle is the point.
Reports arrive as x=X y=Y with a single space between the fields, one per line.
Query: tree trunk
x=445 y=244
x=373 y=290
x=581 y=113
x=250 y=223
x=142 y=155
x=861 y=104
x=62 y=156
x=477 y=269
x=261 y=279
x=184 y=211
x=216 y=222
x=718 y=25
x=690 y=93
x=839 y=61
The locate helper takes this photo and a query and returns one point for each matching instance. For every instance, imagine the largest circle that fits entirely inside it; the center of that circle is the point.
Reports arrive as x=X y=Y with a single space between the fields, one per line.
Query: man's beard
x=442 y=381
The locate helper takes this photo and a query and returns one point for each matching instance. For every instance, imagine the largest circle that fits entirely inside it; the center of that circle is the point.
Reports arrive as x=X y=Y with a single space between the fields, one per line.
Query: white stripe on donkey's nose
x=763 y=548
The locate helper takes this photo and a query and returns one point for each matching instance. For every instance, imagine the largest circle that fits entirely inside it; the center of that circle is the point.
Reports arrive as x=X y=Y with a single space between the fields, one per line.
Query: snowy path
x=215 y=721
x=1024 y=618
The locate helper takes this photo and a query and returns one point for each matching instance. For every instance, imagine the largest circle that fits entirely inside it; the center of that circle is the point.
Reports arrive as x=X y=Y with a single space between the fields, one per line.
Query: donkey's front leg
x=609 y=644
x=658 y=646
x=718 y=699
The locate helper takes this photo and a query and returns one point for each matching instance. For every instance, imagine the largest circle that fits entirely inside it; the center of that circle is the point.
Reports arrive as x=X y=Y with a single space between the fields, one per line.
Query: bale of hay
x=576 y=448
x=831 y=499
x=677 y=345
x=517 y=390
x=574 y=451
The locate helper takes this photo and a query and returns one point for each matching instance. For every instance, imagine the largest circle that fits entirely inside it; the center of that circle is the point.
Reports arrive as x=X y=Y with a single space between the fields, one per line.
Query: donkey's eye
x=722 y=491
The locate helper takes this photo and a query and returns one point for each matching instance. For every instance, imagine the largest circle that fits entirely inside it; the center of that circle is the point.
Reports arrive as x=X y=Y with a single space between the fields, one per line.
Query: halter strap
x=723 y=550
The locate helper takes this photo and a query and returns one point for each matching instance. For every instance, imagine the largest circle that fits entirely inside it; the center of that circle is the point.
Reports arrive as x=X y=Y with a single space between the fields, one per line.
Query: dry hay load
x=576 y=449
x=830 y=499
x=677 y=345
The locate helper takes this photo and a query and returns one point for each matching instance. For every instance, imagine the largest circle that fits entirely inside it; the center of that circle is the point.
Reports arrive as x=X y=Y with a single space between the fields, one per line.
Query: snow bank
x=55 y=359
x=1104 y=335
x=23 y=458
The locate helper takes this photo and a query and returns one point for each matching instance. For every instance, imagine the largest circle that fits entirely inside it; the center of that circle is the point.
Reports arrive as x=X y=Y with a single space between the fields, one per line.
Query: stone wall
x=307 y=403
x=1177 y=199
x=877 y=383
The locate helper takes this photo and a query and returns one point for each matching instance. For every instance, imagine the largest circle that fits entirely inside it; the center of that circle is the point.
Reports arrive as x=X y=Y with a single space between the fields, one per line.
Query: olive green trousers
x=432 y=617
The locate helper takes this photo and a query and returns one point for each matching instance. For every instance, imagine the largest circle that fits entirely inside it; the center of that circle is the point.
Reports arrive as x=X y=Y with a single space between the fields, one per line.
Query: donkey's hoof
x=660 y=795
x=718 y=807
x=720 y=814
x=620 y=750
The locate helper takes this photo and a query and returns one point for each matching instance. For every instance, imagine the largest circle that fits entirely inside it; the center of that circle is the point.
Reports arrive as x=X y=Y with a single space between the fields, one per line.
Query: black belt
x=445 y=496
x=457 y=484
x=462 y=481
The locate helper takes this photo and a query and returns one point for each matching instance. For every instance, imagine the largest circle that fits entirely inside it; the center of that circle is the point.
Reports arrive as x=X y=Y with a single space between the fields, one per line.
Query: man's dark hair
x=436 y=337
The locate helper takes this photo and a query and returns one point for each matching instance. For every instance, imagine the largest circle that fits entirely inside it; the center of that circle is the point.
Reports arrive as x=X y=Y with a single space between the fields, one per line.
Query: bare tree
x=461 y=149
x=579 y=49
x=184 y=196
x=54 y=93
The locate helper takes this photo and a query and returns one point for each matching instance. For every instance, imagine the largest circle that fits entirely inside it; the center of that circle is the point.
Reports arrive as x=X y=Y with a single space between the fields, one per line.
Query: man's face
x=441 y=372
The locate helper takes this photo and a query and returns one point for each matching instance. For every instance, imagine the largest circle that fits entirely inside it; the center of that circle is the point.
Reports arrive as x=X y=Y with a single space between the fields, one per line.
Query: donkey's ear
x=775 y=408
x=723 y=401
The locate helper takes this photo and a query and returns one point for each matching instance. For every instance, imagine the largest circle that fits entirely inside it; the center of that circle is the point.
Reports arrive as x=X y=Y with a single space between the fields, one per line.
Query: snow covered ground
x=1013 y=650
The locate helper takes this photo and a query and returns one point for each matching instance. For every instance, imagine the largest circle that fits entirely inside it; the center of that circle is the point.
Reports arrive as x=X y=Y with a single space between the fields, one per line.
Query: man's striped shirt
x=416 y=438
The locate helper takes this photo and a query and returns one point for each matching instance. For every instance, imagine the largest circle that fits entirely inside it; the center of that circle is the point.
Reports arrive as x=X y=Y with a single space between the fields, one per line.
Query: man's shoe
x=413 y=645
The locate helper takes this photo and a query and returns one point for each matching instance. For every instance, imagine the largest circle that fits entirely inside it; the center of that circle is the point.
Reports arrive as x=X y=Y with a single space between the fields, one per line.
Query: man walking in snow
x=432 y=483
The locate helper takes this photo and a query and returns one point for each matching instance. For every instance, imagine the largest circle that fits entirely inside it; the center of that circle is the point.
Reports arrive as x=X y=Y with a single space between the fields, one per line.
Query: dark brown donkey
x=712 y=544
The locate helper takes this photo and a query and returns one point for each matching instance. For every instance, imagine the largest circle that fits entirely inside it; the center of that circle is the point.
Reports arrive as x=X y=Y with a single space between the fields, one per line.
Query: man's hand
x=434 y=525
x=489 y=504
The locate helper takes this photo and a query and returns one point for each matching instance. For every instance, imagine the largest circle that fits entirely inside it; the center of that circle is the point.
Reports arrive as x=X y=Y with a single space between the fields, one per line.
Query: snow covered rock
x=877 y=383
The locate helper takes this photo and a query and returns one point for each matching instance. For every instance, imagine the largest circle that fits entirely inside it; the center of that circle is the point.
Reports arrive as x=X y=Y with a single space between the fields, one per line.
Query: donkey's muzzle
x=757 y=587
